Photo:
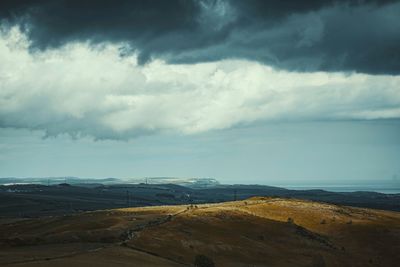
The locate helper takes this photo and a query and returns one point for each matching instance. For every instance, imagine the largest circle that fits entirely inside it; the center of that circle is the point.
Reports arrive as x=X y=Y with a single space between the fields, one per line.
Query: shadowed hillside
x=35 y=200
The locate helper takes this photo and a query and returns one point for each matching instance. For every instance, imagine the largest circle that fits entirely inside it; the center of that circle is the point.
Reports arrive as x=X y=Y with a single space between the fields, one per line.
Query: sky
x=251 y=91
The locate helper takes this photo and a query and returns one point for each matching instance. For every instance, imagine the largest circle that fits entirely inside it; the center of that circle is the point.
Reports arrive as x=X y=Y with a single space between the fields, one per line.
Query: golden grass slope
x=255 y=232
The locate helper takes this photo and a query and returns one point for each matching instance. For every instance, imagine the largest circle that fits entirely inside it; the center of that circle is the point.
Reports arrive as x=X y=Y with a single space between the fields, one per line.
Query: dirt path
x=132 y=233
x=67 y=255
x=129 y=235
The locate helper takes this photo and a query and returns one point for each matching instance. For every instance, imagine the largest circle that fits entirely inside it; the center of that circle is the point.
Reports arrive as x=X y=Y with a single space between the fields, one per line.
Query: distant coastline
x=385 y=189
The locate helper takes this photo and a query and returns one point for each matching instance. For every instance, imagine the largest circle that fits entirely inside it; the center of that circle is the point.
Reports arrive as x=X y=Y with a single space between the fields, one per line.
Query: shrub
x=318 y=261
x=203 y=261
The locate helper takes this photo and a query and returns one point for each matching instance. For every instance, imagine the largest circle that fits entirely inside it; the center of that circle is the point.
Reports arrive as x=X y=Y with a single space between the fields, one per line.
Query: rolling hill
x=260 y=231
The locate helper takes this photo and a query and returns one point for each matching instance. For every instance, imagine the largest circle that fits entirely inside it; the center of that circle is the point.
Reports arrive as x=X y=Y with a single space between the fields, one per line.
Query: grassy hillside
x=254 y=232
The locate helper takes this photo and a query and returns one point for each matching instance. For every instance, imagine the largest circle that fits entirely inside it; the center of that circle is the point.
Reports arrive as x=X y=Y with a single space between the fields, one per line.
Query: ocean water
x=386 y=189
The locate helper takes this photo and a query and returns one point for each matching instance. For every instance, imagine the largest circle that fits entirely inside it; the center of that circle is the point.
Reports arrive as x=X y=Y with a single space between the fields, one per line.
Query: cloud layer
x=361 y=36
x=86 y=90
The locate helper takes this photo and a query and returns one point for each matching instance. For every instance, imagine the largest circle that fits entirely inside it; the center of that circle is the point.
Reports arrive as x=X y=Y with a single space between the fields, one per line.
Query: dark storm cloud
x=362 y=36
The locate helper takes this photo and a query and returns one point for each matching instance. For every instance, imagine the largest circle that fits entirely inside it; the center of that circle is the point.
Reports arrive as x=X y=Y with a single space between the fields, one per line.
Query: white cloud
x=84 y=90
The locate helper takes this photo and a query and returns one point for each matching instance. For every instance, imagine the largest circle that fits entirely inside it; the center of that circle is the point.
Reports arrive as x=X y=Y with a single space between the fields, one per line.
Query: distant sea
x=393 y=189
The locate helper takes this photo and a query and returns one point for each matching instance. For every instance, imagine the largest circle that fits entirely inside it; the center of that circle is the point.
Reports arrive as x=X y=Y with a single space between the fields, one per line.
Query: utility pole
x=234 y=194
x=127 y=198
